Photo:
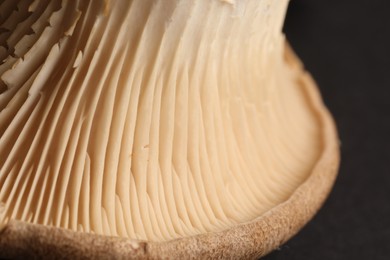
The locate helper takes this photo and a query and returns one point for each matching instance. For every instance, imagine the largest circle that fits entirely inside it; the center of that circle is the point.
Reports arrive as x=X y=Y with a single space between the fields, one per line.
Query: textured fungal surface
x=148 y=119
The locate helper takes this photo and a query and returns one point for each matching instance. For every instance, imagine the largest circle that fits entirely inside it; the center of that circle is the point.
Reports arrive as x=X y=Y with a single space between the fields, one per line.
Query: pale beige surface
x=248 y=240
x=149 y=119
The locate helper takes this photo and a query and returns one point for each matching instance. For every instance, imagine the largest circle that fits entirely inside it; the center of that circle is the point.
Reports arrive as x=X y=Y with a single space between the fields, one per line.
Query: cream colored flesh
x=149 y=119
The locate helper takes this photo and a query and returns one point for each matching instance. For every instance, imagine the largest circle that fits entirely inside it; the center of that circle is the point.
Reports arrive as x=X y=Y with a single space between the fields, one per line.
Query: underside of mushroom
x=149 y=119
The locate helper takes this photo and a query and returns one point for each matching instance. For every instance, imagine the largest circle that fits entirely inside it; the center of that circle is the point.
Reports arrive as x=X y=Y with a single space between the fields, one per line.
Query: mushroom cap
x=247 y=240
x=156 y=129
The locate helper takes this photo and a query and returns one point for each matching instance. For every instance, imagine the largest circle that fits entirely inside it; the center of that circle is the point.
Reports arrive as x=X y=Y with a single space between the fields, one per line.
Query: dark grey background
x=345 y=44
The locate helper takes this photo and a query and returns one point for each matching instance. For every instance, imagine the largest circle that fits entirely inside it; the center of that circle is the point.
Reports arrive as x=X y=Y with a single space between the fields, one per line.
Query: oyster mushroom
x=157 y=129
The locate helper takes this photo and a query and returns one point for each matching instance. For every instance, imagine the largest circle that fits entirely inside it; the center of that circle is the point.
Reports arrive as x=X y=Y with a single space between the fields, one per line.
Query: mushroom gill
x=149 y=119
